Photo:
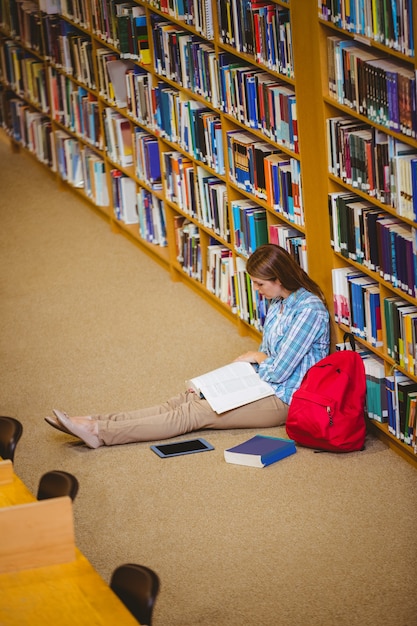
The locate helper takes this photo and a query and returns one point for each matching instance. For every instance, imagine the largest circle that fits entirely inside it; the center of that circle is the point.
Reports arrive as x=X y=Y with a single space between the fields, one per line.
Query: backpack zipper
x=329 y=413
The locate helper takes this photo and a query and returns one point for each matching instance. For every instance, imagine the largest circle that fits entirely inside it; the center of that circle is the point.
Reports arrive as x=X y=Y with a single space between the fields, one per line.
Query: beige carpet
x=89 y=323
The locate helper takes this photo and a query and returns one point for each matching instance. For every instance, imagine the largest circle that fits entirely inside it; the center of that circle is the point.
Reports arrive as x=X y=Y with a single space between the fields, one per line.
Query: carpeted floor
x=89 y=323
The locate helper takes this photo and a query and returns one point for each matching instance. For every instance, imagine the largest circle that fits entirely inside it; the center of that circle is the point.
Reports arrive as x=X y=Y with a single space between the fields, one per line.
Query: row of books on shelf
x=358 y=305
x=381 y=89
x=25 y=23
x=140 y=95
x=55 y=39
x=185 y=58
x=292 y=240
x=247 y=93
x=223 y=273
x=147 y=161
x=74 y=107
x=121 y=24
x=72 y=54
x=69 y=49
x=78 y=11
x=76 y=164
x=251 y=307
x=259 y=29
x=250 y=226
x=24 y=73
x=198 y=131
x=191 y=187
x=127 y=146
x=251 y=230
x=256 y=166
x=119 y=137
x=373 y=162
x=190 y=123
x=85 y=170
x=258 y=100
x=197 y=13
x=124 y=26
x=401 y=394
x=266 y=172
x=203 y=196
x=390 y=399
x=133 y=205
x=188 y=247
x=215 y=268
x=174 y=50
x=9 y=22
x=228 y=280
x=31 y=129
x=388 y=23
x=379 y=241
x=80 y=167
x=112 y=72
x=196 y=192
x=152 y=218
x=124 y=197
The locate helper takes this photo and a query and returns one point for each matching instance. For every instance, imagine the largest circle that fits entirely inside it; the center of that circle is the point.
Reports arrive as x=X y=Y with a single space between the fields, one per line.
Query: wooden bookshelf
x=162 y=103
x=339 y=99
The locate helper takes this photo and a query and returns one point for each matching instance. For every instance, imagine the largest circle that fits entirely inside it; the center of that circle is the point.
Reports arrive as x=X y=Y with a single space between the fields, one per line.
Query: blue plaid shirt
x=296 y=335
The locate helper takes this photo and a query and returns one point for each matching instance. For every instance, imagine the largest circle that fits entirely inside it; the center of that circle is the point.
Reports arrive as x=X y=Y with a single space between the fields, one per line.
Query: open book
x=231 y=386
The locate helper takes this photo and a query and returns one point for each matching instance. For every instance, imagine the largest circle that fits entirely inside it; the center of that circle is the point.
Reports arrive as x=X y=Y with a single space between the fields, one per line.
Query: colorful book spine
x=152 y=218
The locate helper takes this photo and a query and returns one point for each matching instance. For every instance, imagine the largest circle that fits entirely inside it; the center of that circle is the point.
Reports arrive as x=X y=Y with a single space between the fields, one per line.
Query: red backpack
x=327 y=412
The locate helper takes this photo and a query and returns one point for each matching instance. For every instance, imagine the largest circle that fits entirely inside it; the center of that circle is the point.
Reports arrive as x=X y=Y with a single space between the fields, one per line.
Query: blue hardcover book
x=393 y=100
x=271 y=36
x=375 y=309
x=277 y=187
x=165 y=102
x=236 y=224
x=285 y=184
x=258 y=232
x=152 y=160
x=251 y=101
x=260 y=451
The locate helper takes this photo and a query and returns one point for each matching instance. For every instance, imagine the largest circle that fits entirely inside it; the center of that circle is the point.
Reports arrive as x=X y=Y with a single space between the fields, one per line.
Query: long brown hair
x=272 y=262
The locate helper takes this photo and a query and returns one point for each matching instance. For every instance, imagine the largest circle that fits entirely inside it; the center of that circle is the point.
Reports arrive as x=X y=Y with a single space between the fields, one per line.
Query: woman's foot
x=52 y=421
x=84 y=428
x=59 y=414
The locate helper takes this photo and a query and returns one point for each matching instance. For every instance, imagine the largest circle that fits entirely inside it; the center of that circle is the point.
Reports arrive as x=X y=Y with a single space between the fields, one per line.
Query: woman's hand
x=252 y=357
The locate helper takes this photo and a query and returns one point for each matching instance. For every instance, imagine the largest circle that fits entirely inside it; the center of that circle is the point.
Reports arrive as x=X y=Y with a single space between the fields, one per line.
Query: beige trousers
x=185 y=413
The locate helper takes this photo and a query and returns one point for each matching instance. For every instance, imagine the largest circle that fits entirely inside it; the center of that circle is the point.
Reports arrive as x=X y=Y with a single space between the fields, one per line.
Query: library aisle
x=90 y=323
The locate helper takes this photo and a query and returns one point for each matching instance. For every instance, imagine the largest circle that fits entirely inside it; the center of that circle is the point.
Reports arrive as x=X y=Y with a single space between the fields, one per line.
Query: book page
x=231 y=386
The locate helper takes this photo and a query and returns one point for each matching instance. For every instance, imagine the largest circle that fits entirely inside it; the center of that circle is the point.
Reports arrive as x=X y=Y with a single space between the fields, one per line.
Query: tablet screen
x=182 y=447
